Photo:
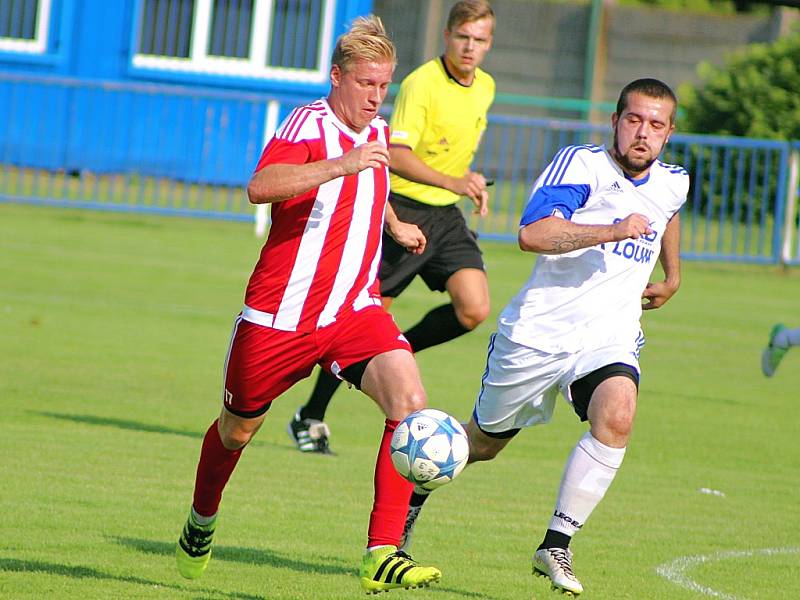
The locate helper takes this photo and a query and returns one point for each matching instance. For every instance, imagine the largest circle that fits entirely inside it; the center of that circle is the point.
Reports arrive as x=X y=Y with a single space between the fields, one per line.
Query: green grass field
x=114 y=329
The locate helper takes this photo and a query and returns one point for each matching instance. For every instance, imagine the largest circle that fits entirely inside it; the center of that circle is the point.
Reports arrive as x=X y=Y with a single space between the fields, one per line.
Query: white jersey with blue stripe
x=590 y=298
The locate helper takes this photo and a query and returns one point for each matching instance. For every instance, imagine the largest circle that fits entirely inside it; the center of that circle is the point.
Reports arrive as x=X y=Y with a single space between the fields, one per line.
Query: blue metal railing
x=790 y=252
x=179 y=150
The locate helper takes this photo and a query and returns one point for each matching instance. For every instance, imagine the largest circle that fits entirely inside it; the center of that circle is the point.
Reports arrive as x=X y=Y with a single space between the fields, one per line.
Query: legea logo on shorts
x=228 y=396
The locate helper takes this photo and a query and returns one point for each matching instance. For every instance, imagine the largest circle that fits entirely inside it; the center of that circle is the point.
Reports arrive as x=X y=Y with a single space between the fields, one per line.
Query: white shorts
x=520 y=384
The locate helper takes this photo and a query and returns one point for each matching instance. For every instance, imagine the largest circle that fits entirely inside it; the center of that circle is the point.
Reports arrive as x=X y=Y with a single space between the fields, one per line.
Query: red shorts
x=263 y=362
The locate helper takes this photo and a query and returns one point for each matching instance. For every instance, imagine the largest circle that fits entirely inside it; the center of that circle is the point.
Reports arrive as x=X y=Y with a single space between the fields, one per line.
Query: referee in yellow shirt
x=438 y=118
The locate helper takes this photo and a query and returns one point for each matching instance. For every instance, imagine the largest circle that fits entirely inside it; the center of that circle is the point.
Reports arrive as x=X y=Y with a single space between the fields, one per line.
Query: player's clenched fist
x=633 y=226
x=371 y=155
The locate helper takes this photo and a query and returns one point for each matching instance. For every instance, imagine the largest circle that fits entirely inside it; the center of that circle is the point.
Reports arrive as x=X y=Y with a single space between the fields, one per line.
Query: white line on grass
x=675 y=571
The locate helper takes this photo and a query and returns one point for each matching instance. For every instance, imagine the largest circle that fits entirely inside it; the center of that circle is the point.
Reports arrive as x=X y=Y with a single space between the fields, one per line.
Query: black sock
x=555 y=539
x=417 y=499
x=324 y=389
x=438 y=326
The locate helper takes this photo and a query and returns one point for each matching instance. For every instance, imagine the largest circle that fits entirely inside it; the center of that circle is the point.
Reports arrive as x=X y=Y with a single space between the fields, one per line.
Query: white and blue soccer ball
x=429 y=448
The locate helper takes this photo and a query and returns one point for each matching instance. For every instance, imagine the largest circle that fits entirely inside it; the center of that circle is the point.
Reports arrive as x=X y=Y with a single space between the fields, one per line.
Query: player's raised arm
x=556 y=235
x=276 y=182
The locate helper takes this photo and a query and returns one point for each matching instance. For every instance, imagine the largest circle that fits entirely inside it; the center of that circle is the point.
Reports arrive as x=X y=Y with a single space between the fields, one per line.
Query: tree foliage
x=706 y=6
x=754 y=95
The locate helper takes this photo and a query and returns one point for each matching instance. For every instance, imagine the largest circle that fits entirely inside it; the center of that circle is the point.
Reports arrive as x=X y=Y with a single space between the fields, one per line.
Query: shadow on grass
x=700 y=398
x=116 y=220
x=325 y=566
x=75 y=572
x=467 y=594
x=141 y=427
x=120 y=424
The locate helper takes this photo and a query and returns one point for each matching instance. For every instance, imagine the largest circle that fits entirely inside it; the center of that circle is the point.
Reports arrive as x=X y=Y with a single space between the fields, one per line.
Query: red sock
x=213 y=471
x=392 y=494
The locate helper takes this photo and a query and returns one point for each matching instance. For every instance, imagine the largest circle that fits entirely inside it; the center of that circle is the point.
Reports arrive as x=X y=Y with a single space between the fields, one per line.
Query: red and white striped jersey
x=320 y=260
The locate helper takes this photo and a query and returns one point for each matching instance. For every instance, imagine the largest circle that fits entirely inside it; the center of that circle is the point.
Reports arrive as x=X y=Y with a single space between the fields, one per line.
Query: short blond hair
x=366 y=40
x=467 y=11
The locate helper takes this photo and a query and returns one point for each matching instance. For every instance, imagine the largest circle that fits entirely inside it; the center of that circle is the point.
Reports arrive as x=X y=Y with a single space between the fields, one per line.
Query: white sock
x=200 y=519
x=788 y=337
x=588 y=473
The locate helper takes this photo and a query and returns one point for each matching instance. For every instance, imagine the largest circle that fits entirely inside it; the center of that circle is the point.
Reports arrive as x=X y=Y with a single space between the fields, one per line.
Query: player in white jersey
x=598 y=218
x=313 y=298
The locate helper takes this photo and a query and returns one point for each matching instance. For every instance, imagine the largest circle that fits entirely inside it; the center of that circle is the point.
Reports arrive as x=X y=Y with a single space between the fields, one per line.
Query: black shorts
x=450 y=247
x=582 y=389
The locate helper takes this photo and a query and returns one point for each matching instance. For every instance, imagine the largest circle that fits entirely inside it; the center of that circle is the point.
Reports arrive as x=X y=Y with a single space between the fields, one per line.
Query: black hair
x=652 y=88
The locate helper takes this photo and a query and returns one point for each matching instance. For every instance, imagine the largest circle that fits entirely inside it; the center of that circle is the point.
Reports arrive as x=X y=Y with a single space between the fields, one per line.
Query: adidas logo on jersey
x=615 y=187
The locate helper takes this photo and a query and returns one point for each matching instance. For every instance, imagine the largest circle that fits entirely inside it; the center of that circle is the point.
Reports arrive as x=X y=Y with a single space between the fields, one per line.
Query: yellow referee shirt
x=442 y=122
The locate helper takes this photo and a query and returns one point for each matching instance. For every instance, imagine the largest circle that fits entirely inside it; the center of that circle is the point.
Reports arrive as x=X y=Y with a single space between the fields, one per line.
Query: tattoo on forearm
x=566 y=242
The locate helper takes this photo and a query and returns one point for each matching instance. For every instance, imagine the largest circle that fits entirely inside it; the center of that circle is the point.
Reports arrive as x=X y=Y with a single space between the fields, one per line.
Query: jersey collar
x=450 y=75
x=637 y=182
x=359 y=137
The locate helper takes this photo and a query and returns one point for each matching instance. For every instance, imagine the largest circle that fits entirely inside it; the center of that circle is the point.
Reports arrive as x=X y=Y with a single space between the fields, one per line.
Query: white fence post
x=790 y=208
x=270 y=125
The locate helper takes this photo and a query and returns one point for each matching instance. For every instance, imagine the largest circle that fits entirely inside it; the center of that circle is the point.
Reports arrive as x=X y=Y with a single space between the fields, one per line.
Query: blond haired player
x=313 y=299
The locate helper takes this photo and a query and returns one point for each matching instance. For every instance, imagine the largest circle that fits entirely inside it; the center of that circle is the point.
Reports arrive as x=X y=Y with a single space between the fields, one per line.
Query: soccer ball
x=429 y=448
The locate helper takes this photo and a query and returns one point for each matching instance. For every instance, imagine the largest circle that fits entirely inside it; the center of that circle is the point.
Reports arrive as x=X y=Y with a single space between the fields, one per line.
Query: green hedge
x=756 y=94
x=704 y=6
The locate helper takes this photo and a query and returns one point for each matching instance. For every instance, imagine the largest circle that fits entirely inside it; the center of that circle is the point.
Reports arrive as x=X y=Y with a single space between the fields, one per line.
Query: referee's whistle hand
x=481 y=204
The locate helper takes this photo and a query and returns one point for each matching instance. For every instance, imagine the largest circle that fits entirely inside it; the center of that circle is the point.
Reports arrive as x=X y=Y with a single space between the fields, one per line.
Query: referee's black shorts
x=450 y=247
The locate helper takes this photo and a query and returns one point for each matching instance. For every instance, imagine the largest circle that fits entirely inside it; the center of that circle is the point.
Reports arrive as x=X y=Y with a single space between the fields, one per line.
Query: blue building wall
x=83 y=105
